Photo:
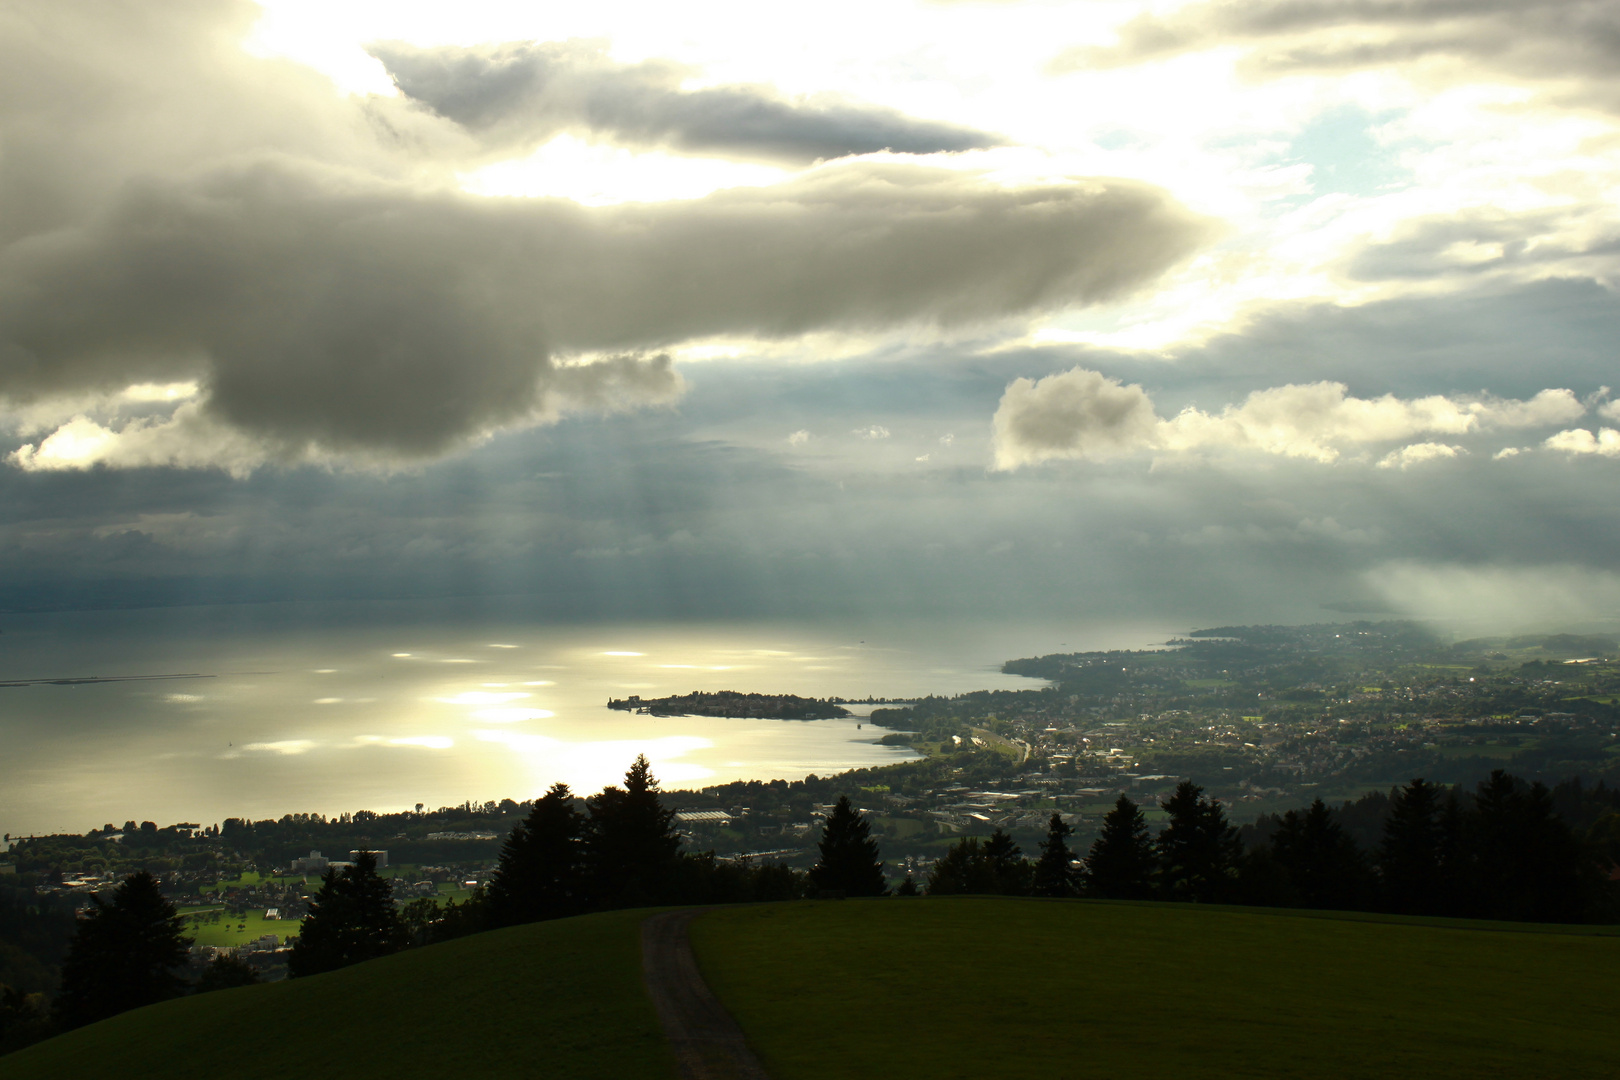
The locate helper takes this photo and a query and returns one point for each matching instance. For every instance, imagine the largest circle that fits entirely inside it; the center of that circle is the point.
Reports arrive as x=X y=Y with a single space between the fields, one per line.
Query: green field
x=1004 y=988
x=553 y=1000
x=225 y=933
x=937 y=988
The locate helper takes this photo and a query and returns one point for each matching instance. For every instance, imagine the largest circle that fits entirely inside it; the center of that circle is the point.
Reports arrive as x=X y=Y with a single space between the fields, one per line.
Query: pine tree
x=849 y=856
x=1322 y=862
x=1120 y=865
x=1009 y=869
x=125 y=954
x=962 y=871
x=1198 y=849
x=541 y=870
x=1054 y=872
x=1409 y=855
x=1521 y=861
x=351 y=919
x=631 y=844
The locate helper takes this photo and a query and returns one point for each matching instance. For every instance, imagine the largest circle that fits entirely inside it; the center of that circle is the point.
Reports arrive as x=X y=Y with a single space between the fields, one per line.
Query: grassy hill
x=941 y=988
x=554 y=1000
x=975 y=987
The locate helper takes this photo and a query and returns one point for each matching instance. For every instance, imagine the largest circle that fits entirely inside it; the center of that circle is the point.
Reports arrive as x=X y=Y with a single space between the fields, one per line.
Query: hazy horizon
x=952 y=316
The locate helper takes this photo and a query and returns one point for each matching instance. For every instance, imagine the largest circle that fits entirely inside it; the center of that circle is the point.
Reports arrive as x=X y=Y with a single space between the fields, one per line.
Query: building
x=315 y=864
x=382 y=857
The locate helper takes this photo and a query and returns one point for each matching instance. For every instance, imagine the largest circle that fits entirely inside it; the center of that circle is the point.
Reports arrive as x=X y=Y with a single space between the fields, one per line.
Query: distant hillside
x=938 y=988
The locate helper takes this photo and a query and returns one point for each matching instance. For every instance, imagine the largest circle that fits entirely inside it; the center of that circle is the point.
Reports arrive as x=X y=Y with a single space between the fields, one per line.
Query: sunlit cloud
x=1085 y=415
x=282 y=746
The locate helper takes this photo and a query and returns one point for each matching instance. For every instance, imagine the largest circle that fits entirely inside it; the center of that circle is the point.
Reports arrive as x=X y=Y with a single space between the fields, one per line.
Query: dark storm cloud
x=518 y=95
x=360 y=317
x=173 y=210
x=1572 y=43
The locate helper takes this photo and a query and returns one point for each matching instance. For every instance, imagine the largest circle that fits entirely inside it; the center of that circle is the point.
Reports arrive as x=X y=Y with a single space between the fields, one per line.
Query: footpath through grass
x=978 y=987
x=559 y=999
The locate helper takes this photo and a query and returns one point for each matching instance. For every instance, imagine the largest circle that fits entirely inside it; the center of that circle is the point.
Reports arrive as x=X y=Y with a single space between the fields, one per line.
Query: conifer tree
x=1410 y=862
x=631 y=845
x=1054 y=870
x=351 y=919
x=1198 y=849
x=1120 y=865
x=125 y=954
x=962 y=871
x=541 y=869
x=1323 y=865
x=849 y=856
x=1521 y=861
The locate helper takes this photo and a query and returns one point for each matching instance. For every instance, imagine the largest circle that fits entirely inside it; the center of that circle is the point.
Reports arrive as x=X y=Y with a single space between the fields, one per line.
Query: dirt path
x=707 y=1042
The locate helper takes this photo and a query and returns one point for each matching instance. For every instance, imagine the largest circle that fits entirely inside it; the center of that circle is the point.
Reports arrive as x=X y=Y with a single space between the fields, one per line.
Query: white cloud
x=285 y=747
x=1082 y=414
x=798 y=438
x=1417 y=454
x=1579 y=441
x=875 y=431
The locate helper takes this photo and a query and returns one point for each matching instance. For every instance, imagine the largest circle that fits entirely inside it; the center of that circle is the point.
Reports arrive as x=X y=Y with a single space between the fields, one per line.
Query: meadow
x=937 y=987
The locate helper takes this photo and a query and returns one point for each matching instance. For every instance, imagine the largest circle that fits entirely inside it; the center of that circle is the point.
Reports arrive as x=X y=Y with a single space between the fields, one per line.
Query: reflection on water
x=321 y=709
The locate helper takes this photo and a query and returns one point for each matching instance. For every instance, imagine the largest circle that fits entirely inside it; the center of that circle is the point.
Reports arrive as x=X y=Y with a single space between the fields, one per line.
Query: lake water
x=328 y=708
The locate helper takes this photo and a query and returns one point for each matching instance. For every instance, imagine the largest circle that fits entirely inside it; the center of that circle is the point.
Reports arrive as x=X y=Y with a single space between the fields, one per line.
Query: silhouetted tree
x=351 y=919
x=1120 y=865
x=541 y=869
x=1198 y=850
x=995 y=867
x=1323 y=865
x=630 y=841
x=1522 y=861
x=125 y=954
x=849 y=860
x=1411 y=862
x=1054 y=870
x=962 y=870
x=907 y=887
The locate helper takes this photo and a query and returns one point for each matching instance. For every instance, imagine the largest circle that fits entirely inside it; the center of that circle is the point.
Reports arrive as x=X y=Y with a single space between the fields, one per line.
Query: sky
x=1286 y=311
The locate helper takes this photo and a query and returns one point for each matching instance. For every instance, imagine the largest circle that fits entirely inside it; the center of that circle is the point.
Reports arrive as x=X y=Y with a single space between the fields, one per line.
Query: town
x=1265 y=719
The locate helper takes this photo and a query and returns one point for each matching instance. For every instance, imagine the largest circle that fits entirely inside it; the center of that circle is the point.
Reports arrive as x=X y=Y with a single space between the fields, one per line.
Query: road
x=707 y=1042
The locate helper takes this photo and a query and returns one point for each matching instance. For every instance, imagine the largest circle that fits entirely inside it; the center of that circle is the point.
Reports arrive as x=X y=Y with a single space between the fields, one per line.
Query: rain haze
x=675 y=347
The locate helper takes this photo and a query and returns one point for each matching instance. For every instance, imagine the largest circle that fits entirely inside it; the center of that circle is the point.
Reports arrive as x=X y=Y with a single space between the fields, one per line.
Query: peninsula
x=733 y=703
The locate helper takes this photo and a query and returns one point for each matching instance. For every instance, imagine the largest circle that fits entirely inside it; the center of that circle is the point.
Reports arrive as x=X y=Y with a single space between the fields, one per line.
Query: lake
x=340 y=707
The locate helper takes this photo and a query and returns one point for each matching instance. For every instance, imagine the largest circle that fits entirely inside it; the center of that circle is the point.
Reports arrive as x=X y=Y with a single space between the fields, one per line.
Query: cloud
x=303 y=259
x=1076 y=414
x=798 y=438
x=515 y=96
x=1570 y=46
x=874 y=431
x=1082 y=414
x=1579 y=442
x=1417 y=454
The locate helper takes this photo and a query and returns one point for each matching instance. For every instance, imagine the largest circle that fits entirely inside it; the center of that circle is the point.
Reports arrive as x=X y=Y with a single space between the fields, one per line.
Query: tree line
x=1500 y=852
